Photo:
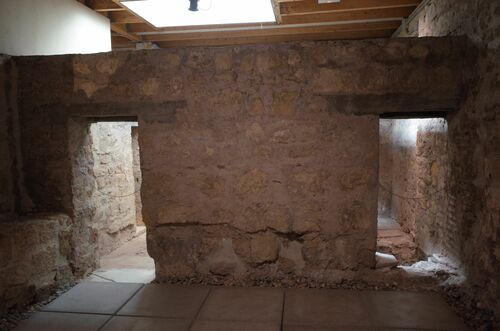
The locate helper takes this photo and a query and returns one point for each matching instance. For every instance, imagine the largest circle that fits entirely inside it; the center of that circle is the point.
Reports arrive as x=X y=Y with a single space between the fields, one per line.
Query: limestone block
x=252 y=183
x=264 y=248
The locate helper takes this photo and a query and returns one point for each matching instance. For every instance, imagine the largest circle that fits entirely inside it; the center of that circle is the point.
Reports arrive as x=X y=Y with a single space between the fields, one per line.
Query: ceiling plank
x=228 y=40
x=281 y=31
x=288 y=7
x=349 y=15
x=144 y=27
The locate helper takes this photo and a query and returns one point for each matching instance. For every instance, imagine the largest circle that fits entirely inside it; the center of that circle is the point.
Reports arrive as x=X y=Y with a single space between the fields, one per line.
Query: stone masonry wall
x=258 y=161
x=474 y=140
x=115 y=215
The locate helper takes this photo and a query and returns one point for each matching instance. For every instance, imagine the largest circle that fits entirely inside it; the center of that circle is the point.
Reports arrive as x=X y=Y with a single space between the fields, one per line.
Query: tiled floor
x=92 y=306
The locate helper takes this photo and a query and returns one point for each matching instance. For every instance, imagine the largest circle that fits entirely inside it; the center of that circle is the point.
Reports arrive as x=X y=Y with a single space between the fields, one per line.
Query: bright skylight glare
x=169 y=13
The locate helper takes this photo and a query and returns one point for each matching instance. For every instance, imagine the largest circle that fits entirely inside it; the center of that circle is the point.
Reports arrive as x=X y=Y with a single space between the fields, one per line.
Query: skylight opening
x=170 y=13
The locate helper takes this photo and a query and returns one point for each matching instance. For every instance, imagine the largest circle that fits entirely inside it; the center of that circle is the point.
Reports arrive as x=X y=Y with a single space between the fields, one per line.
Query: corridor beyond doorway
x=110 y=206
x=412 y=203
x=128 y=264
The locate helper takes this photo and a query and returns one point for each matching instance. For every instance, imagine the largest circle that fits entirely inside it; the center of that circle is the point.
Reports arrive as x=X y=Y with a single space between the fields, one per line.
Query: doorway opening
x=413 y=200
x=107 y=183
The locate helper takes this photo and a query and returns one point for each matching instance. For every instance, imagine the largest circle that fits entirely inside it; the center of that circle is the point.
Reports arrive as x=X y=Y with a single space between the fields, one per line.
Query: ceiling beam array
x=295 y=20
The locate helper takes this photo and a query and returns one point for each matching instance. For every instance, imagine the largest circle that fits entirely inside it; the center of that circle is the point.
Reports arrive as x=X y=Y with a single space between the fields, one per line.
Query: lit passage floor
x=155 y=307
x=128 y=264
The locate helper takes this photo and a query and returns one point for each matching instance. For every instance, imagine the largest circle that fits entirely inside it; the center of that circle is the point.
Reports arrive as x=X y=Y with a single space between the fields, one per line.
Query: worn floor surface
x=130 y=263
x=92 y=306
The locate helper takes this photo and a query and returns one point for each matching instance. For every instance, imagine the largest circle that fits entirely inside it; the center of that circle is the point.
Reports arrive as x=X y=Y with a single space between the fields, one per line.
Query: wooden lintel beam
x=348 y=15
x=290 y=7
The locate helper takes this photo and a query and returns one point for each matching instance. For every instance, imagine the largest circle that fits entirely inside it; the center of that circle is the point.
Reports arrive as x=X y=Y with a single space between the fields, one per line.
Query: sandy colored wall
x=257 y=160
x=33 y=27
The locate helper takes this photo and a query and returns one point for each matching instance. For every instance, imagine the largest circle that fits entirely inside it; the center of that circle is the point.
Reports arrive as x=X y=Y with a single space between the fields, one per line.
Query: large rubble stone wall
x=258 y=161
x=473 y=140
x=34 y=255
x=115 y=215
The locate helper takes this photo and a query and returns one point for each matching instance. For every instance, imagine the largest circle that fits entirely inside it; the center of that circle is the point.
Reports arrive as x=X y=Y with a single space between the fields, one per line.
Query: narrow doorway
x=412 y=205
x=110 y=204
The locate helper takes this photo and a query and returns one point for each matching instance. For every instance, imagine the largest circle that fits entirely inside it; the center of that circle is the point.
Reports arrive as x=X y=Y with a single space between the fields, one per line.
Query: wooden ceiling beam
x=123 y=31
x=124 y=17
x=349 y=15
x=272 y=33
x=229 y=40
x=102 y=5
x=290 y=7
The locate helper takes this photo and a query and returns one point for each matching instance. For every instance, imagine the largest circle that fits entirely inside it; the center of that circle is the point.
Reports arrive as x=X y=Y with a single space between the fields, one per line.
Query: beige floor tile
x=123 y=323
x=341 y=328
x=243 y=304
x=234 y=326
x=44 y=321
x=157 y=300
x=326 y=308
x=94 y=297
x=412 y=310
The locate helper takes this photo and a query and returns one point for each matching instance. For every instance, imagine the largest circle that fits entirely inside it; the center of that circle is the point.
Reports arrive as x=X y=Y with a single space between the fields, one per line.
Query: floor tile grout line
x=123 y=305
x=199 y=309
x=283 y=309
x=73 y=312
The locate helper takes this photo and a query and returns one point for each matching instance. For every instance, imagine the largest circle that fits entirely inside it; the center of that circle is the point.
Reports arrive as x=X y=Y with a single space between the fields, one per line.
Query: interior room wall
x=258 y=161
x=49 y=27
